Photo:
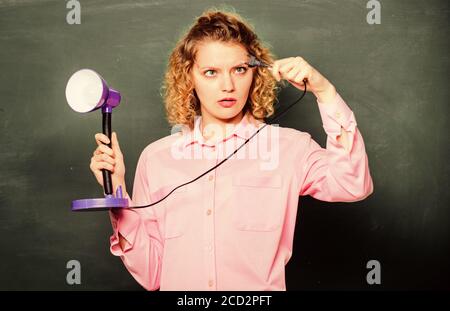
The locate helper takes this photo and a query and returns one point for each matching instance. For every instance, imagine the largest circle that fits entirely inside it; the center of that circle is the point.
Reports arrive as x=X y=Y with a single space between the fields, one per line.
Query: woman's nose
x=227 y=83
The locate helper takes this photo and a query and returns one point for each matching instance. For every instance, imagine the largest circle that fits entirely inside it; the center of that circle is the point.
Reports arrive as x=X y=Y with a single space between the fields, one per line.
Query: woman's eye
x=209 y=73
x=241 y=69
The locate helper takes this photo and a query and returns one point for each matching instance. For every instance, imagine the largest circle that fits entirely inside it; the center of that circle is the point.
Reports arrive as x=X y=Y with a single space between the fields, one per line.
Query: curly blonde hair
x=181 y=102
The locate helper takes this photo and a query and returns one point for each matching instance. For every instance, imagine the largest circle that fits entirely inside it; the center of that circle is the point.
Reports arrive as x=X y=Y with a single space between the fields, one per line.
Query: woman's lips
x=227 y=103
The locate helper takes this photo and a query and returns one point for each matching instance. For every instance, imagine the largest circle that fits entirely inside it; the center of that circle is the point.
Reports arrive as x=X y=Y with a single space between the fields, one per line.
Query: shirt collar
x=244 y=129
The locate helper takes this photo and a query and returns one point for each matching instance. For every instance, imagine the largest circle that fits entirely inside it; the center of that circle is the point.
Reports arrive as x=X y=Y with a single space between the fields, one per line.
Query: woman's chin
x=227 y=114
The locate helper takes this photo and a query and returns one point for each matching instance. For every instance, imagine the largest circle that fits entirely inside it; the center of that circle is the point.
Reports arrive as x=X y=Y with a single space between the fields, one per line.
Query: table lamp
x=87 y=91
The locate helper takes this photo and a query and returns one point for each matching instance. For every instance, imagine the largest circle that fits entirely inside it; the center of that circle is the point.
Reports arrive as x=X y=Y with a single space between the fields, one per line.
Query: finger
x=101 y=138
x=106 y=166
x=276 y=67
x=114 y=138
x=300 y=76
x=286 y=67
x=284 y=70
x=297 y=61
x=104 y=149
x=306 y=74
x=97 y=166
x=293 y=72
x=275 y=71
x=104 y=157
x=285 y=60
x=115 y=142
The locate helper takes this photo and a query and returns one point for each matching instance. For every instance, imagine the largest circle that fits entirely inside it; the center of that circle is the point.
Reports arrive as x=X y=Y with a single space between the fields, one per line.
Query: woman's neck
x=214 y=129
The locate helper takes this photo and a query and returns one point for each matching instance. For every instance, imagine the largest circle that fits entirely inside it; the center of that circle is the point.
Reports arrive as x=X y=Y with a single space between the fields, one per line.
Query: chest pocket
x=257 y=202
x=175 y=209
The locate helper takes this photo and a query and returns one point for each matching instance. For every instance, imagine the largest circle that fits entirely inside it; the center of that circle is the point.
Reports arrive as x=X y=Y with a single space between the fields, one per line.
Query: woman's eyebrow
x=238 y=65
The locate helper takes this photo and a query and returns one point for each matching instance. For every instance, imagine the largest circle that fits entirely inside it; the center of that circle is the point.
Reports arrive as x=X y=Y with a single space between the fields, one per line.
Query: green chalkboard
x=394 y=76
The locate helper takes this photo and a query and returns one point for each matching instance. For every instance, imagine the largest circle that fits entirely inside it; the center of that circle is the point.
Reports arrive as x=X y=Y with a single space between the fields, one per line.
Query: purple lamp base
x=101 y=204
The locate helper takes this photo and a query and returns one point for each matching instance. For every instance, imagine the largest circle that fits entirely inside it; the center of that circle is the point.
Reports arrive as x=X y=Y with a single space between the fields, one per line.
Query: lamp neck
x=106 y=108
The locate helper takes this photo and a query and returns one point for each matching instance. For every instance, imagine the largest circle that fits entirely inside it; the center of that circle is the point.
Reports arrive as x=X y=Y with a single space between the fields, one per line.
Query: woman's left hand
x=296 y=69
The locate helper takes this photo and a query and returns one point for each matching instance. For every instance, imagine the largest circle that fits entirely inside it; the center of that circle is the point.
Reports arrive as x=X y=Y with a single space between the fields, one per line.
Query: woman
x=233 y=228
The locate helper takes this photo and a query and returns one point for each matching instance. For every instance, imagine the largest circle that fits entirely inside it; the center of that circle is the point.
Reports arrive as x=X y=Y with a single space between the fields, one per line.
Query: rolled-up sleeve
x=335 y=174
x=144 y=245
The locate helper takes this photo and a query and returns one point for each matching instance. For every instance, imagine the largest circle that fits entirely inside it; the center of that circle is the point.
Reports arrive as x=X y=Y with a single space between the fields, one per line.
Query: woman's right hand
x=110 y=159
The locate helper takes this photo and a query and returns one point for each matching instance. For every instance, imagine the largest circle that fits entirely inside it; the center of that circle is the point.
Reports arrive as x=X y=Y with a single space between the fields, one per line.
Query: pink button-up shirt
x=233 y=228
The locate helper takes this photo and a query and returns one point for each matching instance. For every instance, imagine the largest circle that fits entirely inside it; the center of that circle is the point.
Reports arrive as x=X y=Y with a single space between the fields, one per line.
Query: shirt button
x=210 y=283
x=338 y=115
x=208 y=212
x=211 y=177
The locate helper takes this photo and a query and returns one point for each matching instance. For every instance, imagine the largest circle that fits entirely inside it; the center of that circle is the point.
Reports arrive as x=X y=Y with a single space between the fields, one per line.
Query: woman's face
x=220 y=72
